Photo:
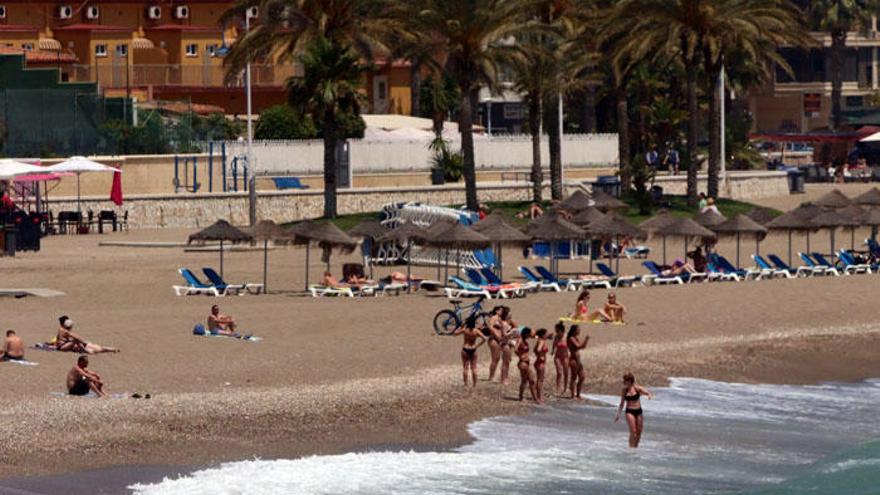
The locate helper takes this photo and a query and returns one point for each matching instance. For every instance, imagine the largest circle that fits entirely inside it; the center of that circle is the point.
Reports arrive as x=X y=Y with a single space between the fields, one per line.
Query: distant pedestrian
x=652 y=158
x=673 y=160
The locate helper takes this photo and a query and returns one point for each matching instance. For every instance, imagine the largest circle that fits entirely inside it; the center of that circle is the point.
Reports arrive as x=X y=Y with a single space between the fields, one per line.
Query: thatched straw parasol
x=835 y=199
x=501 y=233
x=612 y=226
x=554 y=229
x=587 y=216
x=761 y=215
x=663 y=217
x=606 y=202
x=683 y=227
x=406 y=234
x=576 y=202
x=740 y=225
x=369 y=230
x=855 y=213
x=491 y=219
x=267 y=230
x=868 y=198
x=832 y=220
x=222 y=231
x=327 y=235
x=710 y=218
x=871 y=218
x=797 y=219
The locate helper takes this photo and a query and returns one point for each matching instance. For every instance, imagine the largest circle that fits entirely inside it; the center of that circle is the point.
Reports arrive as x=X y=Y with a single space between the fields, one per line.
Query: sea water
x=700 y=437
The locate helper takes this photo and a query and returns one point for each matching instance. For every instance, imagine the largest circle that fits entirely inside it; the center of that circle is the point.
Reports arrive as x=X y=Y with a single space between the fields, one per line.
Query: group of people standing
x=505 y=339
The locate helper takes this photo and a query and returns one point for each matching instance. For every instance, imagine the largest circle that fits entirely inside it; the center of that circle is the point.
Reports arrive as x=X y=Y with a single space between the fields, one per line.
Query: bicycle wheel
x=483 y=319
x=445 y=322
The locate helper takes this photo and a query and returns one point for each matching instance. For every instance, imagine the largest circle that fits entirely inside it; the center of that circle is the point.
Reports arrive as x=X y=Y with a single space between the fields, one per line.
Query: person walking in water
x=525 y=371
x=560 y=358
x=630 y=396
x=541 y=350
x=473 y=339
x=575 y=345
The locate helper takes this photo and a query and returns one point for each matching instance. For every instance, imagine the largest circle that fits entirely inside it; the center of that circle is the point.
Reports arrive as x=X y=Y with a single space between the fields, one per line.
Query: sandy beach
x=334 y=375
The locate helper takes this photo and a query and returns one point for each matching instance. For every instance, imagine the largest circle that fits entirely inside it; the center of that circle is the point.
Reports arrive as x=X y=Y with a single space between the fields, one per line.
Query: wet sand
x=334 y=375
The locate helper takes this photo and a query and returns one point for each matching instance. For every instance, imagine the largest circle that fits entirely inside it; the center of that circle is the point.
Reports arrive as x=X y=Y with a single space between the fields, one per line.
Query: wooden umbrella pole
x=664 y=250
x=737 y=250
x=265 y=265
x=789 y=247
x=308 y=246
x=500 y=263
x=221 y=258
x=617 y=256
x=408 y=264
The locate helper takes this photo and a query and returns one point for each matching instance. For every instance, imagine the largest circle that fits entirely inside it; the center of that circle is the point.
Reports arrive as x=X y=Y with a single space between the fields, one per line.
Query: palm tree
x=341 y=31
x=838 y=18
x=753 y=31
x=471 y=40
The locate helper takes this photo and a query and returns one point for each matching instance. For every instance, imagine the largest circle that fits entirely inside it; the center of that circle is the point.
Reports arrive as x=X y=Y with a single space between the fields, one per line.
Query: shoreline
x=282 y=423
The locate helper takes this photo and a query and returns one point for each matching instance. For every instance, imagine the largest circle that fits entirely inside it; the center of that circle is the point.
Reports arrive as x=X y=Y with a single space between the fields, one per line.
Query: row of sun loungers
x=216 y=286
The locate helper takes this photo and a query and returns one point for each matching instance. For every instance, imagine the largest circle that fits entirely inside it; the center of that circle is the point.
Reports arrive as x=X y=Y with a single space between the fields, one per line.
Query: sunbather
x=700 y=261
x=220 y=324
x=678 y=267
x=81 y=380
x=13 y=348
x=613 y=311
x=67 y=340
x=330 y=281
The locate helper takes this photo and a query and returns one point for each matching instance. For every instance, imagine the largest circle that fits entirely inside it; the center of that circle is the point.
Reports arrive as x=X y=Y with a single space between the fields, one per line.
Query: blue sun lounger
x=767 y=270
x=615 y=279
x=222 y=286
x=818 y=268
x=538 y=281
x=656 y=275
x=194 y=285
x=851 y=266
x=801 y=270
x=570 y=283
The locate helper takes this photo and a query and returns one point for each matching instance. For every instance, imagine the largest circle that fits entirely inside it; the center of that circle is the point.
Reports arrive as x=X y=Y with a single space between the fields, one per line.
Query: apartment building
x=161 y=50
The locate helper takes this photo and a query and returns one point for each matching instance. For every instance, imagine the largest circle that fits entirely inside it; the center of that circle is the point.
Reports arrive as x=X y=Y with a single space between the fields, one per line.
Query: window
x=101 y=50
x=192 y=50
x=27 y=46
x=513 y=111
x=211 y=50
x=122 y=50
x=382 y=92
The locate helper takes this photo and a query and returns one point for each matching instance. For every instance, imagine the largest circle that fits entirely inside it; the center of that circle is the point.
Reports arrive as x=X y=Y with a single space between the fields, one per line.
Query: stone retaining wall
x=194 y=211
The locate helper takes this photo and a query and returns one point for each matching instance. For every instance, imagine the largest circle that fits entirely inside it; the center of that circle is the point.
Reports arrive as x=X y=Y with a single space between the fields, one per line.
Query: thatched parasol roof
x=504 y=233
x=368 y=228
x=741 y=224
x=796 y=219
x=612 y=226
x=326 y=234
x=871 y=217
x=684 y=227
x=853 y=212
x=438 y=228
x=869 y=198
x=663 y=217
x=710 y=218
x=491 y=219
x=607 y=202
x=761 y=215
x=267 y=230
x=221 y=230
x=834 y=199
x=554 y=228
x=831 y=219
x=577 y=201
x=459 y=237
x=587 y=216
x=407 y=232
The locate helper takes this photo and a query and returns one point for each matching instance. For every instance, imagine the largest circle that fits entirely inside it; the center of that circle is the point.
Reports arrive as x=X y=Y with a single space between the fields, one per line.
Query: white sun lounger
x=322 y=291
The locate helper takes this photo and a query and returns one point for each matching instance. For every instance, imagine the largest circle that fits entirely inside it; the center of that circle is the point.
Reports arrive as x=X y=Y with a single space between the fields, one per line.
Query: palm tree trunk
x=838 y=51
x=415 y=88
x=623 y=144
x=535 y=131
x=466 y=127
x=693 y=130
x=330 y=141
x=551 y=125
x=714 y=131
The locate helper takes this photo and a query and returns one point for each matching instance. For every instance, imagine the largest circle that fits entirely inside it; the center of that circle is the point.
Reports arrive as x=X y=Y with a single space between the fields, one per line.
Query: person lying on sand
x=220 y=324
x=68 y=341
x=81 y=380
x=13 y=348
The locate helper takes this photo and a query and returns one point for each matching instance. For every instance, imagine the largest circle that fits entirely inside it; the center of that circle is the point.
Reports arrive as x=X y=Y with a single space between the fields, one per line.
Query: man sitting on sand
x=66 y=340
x=13 y=348
x=614 y=311
x=81 y=380
x=219 y=324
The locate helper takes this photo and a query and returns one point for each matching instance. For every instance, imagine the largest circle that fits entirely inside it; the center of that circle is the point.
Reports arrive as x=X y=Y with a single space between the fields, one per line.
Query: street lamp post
x=252 y=177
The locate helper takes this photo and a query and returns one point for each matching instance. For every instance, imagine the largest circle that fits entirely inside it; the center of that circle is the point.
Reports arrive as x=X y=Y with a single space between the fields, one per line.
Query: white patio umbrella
x=78 y=165
x=10 y=169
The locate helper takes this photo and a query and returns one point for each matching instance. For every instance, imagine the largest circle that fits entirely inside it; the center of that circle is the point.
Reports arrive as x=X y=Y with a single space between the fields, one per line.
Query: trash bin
x=608 y=184
x=795 y=181
x=9 y=233
x=437 y=176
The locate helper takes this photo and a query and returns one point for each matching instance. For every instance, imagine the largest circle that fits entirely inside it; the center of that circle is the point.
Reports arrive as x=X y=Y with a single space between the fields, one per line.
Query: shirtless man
x=219 y=324
x=66 y=340
x=13 y=349
x=614 y=310
x=81 y=380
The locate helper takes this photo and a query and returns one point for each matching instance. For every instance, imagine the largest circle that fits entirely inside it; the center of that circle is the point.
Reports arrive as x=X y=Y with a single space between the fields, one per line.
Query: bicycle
x=447 y=320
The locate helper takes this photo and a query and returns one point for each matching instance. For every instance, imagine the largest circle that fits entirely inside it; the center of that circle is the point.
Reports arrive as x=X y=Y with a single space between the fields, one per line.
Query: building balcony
x=145 y=75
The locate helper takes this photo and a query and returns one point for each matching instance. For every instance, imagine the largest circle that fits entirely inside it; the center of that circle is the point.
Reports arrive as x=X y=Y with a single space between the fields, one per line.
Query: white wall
x=499 y=152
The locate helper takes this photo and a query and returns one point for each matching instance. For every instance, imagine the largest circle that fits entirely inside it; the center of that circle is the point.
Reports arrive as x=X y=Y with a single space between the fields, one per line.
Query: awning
x=815 y=137
x=49 y=44
x=138 y=43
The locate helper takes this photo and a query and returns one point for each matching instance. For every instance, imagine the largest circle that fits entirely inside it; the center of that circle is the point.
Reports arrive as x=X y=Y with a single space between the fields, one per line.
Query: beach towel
x=569 y=319
x=200 y=331
x=21 y=362
x=90 y=395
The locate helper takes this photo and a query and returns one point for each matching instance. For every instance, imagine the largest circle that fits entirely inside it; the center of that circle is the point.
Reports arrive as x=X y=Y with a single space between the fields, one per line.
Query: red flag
x=116 y=189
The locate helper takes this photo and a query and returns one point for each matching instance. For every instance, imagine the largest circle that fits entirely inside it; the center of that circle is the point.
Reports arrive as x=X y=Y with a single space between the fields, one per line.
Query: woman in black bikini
x=560 y=358
x=634 y=419
x=541 y=350
x=495 y=337
x=469 y=349
x=525 y=371
x=575 y=346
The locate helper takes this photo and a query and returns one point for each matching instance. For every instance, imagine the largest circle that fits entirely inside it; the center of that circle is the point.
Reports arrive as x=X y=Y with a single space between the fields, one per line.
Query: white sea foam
x=700 y=437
